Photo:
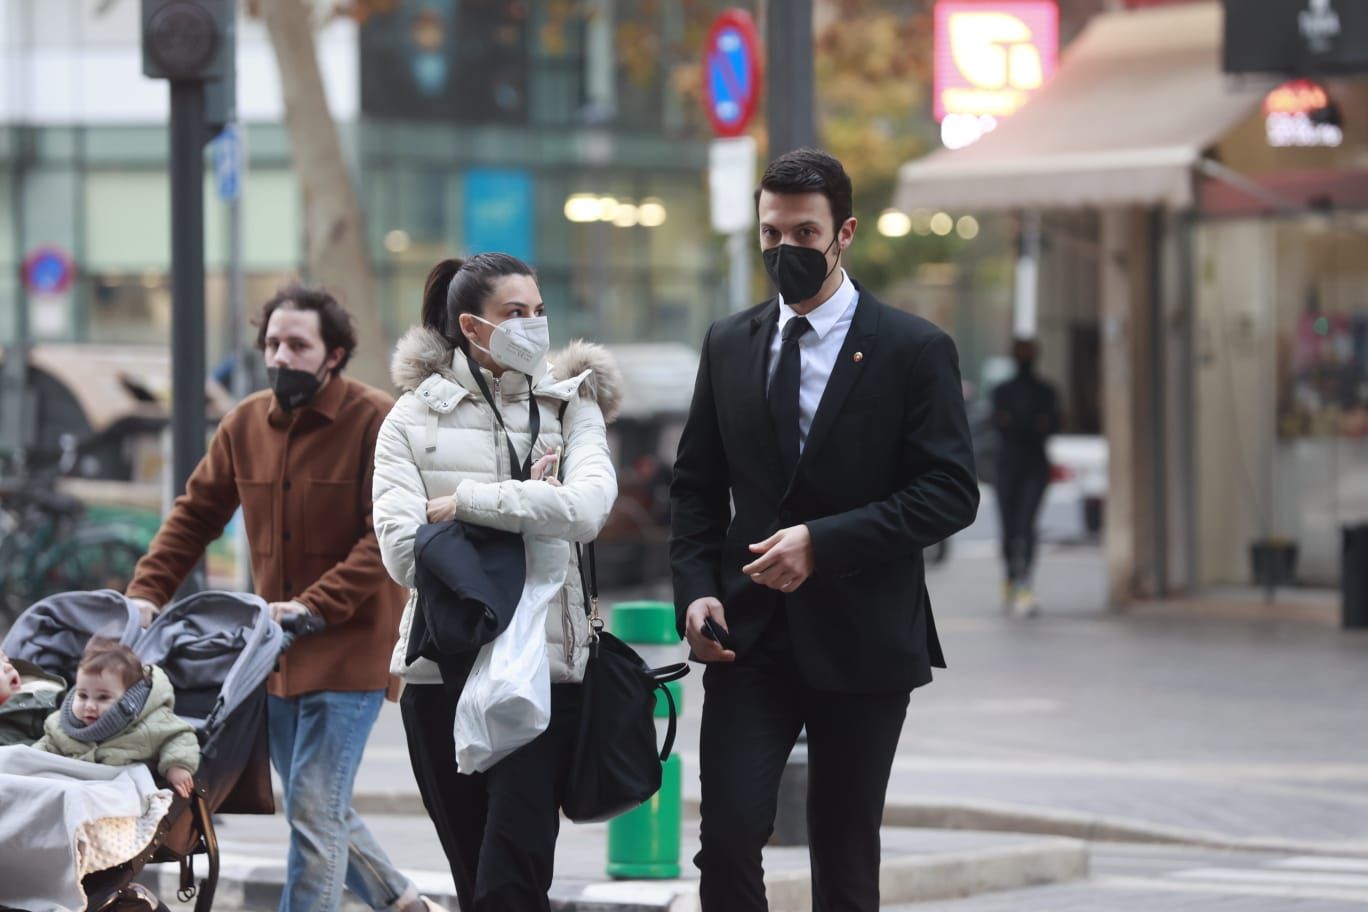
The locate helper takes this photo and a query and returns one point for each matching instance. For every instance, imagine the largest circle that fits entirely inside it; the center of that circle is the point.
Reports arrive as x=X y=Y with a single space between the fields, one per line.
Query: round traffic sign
x=182 y=38
x=48 y=270
x=731 y=65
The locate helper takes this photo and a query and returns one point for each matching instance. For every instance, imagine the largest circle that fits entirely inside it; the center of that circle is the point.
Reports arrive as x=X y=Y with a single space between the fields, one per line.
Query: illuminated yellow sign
x=990 y=57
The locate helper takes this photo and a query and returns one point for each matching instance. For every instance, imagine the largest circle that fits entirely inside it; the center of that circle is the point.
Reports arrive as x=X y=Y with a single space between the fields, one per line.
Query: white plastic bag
x=506 y=701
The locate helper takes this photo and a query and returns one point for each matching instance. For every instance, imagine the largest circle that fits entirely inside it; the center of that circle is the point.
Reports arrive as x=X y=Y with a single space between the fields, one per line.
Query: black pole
x=789 y=108
x=788 y=52
x=188 y=135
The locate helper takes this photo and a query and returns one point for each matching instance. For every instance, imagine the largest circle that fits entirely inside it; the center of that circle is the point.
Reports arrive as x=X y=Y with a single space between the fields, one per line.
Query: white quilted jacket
x=442 y=438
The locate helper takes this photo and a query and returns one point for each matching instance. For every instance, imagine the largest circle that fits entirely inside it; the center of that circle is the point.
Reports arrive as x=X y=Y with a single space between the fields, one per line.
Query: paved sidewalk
x=1209 y=729
x=919 y=865
x=1133 y=878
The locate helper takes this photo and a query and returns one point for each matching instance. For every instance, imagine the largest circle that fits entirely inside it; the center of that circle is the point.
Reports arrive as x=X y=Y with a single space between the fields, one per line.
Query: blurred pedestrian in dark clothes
x=1025 y=414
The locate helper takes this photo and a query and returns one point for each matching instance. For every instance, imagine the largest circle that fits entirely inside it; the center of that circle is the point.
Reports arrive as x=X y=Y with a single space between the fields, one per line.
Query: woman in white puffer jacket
x=442 y=454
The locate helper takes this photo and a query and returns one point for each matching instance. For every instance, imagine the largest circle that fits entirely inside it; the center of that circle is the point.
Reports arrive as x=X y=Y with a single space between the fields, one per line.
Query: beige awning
x=114 y=382
x=1138 y=98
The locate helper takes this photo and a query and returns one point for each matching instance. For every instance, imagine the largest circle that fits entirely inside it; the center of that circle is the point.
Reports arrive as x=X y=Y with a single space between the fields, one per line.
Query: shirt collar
x=825 y=316
x=327 y=403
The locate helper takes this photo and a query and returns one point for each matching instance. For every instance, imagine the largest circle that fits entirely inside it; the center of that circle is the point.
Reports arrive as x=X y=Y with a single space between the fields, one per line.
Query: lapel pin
x=859 y=356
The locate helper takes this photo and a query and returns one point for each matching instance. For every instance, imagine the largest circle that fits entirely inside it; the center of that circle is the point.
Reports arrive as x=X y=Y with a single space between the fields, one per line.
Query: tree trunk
x=334 y=225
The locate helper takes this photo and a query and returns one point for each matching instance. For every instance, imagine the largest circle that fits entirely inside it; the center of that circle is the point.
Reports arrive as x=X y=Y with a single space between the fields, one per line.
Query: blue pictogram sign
x=732 y=64
x=228 y=162
x=48 y=270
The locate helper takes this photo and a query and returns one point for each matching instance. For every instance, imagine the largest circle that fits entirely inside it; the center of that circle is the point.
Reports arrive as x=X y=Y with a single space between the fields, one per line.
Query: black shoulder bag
x=615 y=766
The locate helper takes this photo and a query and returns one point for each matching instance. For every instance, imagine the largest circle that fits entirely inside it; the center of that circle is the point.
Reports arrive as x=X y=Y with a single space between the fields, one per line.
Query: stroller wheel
x=134 y=898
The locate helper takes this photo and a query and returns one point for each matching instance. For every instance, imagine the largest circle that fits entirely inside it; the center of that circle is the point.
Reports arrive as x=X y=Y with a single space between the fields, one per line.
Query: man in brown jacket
x=299 y=459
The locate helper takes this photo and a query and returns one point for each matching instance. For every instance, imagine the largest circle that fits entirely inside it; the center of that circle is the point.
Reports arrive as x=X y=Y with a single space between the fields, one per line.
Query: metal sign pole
x=187 y=287
x=788 y=53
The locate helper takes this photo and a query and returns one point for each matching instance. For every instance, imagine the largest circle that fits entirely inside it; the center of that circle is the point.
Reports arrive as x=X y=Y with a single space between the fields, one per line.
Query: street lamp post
x=788 y=63
x=789 y=100
x=192 y=44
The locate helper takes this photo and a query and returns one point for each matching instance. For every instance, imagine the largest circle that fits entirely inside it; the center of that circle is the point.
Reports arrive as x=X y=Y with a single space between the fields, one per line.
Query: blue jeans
x=316 y=744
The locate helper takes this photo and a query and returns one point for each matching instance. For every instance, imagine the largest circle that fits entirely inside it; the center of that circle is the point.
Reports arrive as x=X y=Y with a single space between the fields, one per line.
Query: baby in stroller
x=28 y=695
x=122 y=712
x=215 y=650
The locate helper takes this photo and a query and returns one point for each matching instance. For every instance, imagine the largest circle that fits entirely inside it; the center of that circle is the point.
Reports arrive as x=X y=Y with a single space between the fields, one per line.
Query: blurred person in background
x=1025 y=414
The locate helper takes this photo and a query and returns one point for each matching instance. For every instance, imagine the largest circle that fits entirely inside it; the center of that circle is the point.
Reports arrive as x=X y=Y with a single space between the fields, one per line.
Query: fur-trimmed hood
x=423 y=352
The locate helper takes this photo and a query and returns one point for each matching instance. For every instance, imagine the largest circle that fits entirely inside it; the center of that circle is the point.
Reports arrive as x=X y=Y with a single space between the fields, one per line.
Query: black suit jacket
x=888 y=469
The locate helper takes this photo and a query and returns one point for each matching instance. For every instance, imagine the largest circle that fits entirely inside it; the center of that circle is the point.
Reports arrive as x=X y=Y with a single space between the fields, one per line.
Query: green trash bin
x=644 y=842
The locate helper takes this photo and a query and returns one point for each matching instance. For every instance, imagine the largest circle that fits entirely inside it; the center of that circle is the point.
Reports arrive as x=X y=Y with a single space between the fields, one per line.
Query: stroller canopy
x=216 y=647
x=53 y=632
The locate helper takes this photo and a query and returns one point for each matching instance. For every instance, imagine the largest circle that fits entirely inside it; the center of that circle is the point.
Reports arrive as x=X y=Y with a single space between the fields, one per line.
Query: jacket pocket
x=331 y=522
x=259 y=514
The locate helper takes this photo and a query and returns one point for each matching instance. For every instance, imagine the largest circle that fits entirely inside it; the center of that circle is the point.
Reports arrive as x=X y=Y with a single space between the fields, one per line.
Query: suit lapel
x=861 y=338
x=755 y=402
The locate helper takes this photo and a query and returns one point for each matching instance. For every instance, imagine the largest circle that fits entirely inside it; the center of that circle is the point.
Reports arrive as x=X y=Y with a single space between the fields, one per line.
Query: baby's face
x=9 y=678
x=95 y=693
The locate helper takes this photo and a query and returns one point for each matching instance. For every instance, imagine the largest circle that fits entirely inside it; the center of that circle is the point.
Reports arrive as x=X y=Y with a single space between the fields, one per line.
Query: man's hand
x=786 y=559
x=281 y=610
x=146 y=610
x=441 y=509
x=180 y=780
x=705 y=649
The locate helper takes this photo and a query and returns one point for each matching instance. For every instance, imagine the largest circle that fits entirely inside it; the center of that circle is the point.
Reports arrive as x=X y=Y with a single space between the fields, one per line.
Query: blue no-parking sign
x=732 y=64
x=228 y=161
x=48 y=271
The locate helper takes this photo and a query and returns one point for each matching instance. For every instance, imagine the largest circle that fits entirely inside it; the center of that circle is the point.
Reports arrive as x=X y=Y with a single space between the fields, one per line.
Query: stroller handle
x=298 y=625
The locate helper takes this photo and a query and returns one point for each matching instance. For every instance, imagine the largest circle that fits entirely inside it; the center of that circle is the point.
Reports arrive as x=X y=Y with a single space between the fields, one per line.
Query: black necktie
x=783 y=393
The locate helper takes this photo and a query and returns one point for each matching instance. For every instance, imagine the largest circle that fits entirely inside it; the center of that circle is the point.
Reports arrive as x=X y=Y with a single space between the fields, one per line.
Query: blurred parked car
x=1078 y=466
x=1078 y=462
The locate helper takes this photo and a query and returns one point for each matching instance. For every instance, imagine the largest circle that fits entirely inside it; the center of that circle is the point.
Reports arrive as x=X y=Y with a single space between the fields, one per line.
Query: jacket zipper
x=494 y=432
x=568 y=631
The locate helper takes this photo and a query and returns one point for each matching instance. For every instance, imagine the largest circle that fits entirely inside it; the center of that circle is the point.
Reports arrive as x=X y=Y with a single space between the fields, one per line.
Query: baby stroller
x=217 y=648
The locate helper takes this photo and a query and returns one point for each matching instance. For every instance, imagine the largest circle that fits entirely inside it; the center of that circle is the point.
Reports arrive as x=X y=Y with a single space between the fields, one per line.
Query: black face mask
x=798 y=272
x=293 y=388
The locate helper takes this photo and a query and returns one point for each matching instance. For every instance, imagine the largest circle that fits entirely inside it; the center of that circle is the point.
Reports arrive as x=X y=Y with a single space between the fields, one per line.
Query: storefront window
x=127 y=247
x=1281 y=349
x=1323 y=329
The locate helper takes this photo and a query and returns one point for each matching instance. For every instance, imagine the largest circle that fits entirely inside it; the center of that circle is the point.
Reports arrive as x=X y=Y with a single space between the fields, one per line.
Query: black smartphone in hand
x=713 y=631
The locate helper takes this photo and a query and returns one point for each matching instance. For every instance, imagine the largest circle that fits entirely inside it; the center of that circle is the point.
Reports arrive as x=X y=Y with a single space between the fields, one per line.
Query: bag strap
x=589 y=582
x=524 y=471
x=666 y=673
x=662 y=676
x=670 y=726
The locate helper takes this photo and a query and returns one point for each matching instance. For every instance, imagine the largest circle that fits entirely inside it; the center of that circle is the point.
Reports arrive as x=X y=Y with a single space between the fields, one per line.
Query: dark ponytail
x=456 y=286
x=435 y=294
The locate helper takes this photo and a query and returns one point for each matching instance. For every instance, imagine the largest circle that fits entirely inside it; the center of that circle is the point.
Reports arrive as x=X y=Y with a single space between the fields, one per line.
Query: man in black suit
x=826 y=446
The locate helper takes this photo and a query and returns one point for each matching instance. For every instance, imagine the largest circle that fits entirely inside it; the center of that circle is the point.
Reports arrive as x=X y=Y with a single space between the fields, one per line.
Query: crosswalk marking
x=1319 y=863
x=1291 y=891
x=1285 y=876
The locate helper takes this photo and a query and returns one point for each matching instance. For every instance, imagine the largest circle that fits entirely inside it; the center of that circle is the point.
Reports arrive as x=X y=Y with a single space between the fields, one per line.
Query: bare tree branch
x=334 y=226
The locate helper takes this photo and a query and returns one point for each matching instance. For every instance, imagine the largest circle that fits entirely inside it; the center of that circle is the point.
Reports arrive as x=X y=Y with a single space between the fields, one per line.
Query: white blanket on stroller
x=60 y=819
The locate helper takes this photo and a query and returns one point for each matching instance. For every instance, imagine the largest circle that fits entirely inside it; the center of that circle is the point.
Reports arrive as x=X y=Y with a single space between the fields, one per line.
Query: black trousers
x=1021 y=483
x=498 y=828
x=753 y=710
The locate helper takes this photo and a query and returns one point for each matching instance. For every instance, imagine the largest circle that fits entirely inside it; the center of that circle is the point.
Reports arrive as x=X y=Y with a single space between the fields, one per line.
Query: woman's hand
x=180 y=780
x=441 y=509
x=544 y=469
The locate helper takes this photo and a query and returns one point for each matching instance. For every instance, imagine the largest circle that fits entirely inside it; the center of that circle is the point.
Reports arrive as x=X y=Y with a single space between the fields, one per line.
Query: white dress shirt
x=818 y=349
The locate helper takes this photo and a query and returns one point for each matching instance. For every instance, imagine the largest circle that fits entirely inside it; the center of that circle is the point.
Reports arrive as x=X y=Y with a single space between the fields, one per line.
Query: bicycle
x=48 y=546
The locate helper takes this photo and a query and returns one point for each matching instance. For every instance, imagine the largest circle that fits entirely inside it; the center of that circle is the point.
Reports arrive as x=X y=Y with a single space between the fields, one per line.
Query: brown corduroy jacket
x=303 y=479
